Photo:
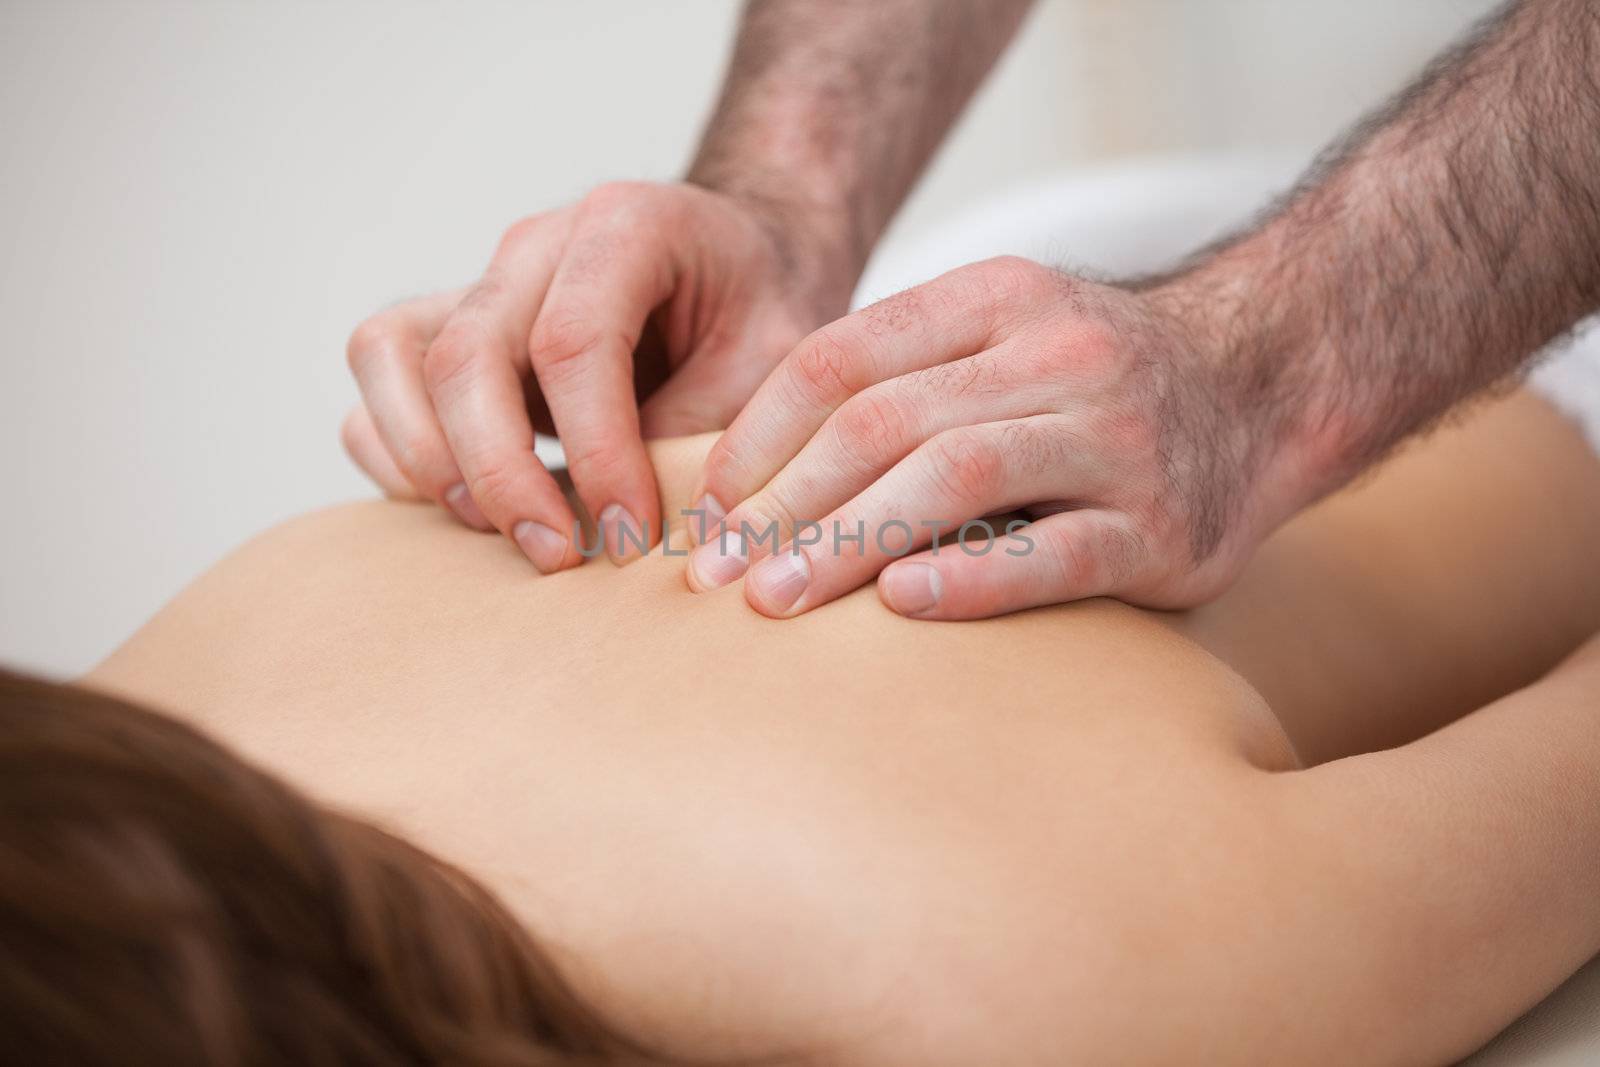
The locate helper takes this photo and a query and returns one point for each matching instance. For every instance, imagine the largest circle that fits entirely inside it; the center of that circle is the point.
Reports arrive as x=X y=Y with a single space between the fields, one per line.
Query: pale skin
x=1074 y=834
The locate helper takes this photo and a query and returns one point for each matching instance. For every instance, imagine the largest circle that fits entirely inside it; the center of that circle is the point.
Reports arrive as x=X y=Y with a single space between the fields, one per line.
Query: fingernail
x=719 y=561
x=542 y=545
x=779 y=580
x=466 y=509
x=710 y=523
x=624 y=540
x=912 y=588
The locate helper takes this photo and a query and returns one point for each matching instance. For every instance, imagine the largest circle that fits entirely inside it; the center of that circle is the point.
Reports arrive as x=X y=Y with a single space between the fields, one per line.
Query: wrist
x=813 y=240
x=1274 y=376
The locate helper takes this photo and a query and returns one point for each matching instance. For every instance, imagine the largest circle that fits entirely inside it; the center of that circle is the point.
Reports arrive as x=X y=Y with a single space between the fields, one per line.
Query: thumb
x=1068 y=556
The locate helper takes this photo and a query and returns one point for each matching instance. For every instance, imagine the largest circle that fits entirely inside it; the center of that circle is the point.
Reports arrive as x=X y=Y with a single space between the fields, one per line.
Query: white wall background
x=198 y=200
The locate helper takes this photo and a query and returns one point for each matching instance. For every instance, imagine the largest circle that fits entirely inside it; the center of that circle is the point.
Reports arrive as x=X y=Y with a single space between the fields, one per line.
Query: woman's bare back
x=678 y=792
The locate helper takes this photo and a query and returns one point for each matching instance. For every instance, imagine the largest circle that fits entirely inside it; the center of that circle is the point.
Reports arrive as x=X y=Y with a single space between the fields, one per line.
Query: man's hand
x=582 y=313
x=828 y=113
x=1000 y=386
x=1159 y=430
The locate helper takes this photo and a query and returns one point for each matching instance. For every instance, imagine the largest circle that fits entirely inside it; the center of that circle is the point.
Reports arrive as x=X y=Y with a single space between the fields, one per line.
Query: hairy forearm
x=1427 y=256
x=831 y=109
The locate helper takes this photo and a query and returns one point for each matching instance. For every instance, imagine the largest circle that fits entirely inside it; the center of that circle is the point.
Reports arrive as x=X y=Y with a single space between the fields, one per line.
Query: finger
x=385 y=354
x=881 y=425
x=1067 y=556
x=950 y=317
x=366 y=449
x=472 y=371
x=582 y=343
x=957 y=476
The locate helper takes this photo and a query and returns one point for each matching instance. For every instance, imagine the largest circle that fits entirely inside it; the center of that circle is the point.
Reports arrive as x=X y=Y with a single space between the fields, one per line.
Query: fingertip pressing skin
x=910 y=588
x=623 y=499
x=710 y=513
x=554 y=325
x=387 y=360
x=624 y=538
x=471 y=376
x=459 y=500
x=731 y=544
x=720 y=561
x=735 y=542
x=546 y=548
x=776 y=586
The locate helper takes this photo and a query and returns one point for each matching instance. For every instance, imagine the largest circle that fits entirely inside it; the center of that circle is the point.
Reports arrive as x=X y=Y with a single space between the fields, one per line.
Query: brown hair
x=161 y=901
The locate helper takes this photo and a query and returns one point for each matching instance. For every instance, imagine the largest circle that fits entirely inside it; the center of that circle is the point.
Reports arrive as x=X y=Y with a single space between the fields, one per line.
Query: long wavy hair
x=162 y=901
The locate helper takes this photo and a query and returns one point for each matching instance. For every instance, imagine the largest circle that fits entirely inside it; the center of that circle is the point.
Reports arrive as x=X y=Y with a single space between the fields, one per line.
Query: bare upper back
x=670 y=784
x=678 y=791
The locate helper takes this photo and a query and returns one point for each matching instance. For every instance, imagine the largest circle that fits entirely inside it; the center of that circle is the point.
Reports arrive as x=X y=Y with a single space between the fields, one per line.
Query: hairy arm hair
x=831 y=109
x=1425 y=256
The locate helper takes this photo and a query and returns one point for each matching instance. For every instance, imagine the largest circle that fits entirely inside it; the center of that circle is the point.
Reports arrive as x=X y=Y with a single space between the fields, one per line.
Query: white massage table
x=1141 y=216
x=1563 y=1030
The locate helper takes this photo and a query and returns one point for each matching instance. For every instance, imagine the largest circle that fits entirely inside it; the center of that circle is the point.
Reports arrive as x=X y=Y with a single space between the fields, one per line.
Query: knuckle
x=967 y=463
x=601 y=461
x=558 y=342
x=1047 y=359
x=872 y=425
x=895 y=313
x=612 y=197
x=449 y=359
x=823 y=366
x=374 y=341
x=1096 y=348
x=522 y=232
x=600 y=245
x=1013 y=278
x=482 y=296
x=420 y=458
x=492 y=482
x=1088 y=350
x=616 y=225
